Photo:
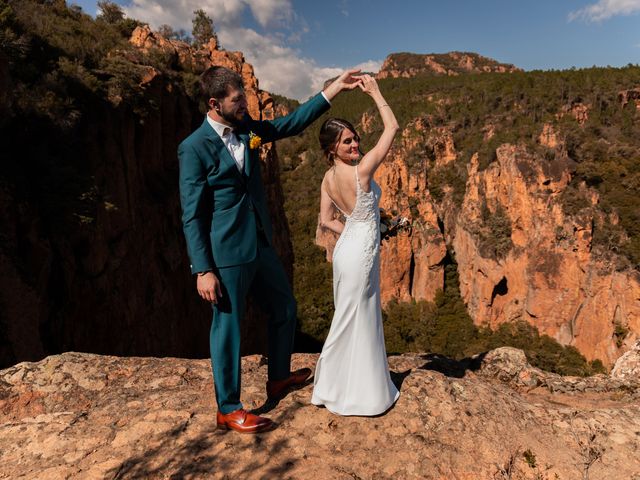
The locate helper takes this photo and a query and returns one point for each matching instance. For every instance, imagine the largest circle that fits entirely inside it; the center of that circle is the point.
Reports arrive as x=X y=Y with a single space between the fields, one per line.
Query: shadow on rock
x=177 y=457
x=398 y=378
x=270 y=404
x=450 y=367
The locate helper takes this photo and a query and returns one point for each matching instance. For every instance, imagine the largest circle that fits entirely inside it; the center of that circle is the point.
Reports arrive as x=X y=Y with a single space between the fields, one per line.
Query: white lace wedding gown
x=352 y=373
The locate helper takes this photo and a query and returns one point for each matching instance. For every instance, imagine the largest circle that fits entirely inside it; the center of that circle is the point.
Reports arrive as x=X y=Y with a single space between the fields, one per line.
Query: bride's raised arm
x=373 y=158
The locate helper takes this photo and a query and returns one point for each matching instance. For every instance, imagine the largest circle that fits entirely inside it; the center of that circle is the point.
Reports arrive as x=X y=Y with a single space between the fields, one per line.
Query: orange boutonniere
x=254 y=141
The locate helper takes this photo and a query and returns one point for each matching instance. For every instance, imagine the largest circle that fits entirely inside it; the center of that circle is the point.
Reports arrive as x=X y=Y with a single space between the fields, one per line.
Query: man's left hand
x=346 y=81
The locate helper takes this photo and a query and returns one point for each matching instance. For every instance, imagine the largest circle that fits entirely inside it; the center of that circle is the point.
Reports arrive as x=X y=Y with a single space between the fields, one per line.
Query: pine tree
x=168 y=32
x=202 y=28
x=110 y=12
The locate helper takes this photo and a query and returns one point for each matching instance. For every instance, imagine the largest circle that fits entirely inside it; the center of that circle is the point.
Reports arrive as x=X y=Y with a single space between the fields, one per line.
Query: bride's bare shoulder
x=327 y=180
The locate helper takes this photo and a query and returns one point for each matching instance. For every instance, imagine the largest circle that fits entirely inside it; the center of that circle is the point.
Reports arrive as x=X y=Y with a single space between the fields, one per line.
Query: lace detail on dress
x=366 y=208
x=364 y=222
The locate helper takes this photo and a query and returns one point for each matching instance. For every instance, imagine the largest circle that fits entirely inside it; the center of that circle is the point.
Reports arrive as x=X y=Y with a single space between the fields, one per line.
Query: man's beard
x=229 y=118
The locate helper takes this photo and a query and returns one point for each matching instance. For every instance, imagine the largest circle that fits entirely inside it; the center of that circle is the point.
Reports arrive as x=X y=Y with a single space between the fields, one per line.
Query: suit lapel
x=219 y=148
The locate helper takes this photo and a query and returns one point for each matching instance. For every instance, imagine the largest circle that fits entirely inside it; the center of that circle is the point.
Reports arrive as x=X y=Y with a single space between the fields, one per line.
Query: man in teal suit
x=228 y=234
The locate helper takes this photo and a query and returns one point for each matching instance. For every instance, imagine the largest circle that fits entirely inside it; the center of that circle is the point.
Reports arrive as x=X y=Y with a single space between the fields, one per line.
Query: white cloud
x=344 y=8
x=605 y=9
x=370 y=66
x=272 y=12
x=279 y=67
x=178 y=14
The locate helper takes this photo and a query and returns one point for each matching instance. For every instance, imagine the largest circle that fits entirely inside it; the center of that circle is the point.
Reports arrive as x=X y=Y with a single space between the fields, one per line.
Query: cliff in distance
x=407 y=65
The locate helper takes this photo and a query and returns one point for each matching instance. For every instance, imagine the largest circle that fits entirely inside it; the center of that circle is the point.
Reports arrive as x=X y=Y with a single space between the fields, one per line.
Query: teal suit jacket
x=222 y=207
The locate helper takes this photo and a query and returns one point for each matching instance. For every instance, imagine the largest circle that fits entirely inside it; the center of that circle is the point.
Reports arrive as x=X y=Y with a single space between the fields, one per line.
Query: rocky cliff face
x=452 y=63
x=93 y=256
x=630 y=95
x=491 y=417
x=520 y=256
x=550 y=275
x=4 y=86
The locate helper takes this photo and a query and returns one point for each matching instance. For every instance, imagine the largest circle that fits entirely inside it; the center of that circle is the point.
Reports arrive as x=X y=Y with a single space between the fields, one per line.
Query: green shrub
x=620 y=332
x=495 y=238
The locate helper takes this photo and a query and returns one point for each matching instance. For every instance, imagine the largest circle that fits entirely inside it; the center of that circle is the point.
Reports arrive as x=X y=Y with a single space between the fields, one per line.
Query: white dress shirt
x=231 y=142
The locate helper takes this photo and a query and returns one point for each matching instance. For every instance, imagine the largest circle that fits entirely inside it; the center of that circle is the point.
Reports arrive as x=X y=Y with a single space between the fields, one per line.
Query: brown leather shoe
x=277 y=389
x=243 y=422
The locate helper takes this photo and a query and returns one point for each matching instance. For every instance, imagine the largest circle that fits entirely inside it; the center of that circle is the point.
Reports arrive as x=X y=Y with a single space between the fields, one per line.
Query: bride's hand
x=368 y=85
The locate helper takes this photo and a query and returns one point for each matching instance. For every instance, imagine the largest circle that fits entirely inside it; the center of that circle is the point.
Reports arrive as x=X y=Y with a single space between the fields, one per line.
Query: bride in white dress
x=352 y=374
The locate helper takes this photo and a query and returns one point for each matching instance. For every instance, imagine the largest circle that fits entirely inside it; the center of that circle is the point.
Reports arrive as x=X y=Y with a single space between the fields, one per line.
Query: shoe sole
x=257 y=429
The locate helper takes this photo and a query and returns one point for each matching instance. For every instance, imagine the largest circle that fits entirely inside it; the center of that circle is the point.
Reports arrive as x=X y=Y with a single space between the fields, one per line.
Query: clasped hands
x=349 y=80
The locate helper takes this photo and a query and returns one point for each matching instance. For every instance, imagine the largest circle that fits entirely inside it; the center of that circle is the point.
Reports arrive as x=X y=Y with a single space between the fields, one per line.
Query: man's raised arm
x=346 y=81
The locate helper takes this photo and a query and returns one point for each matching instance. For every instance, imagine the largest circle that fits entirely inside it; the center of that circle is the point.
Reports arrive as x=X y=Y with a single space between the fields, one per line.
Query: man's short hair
x=215 y=82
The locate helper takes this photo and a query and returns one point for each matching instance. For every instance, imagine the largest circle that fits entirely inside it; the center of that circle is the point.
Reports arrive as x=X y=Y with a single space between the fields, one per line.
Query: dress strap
x=339 y=209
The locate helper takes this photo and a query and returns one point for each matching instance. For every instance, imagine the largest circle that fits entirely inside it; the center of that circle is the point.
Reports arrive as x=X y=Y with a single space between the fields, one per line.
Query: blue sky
x=295 y=45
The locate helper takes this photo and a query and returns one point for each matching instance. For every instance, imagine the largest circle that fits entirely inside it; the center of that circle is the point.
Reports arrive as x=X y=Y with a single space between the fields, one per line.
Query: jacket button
x=250 y=206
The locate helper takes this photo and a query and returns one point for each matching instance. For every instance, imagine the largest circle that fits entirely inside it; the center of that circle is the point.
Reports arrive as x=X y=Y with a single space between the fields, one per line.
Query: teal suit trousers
x=271 y=286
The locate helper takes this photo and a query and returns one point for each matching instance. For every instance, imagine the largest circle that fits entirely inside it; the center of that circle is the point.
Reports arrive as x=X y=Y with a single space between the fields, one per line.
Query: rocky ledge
x=494 y=416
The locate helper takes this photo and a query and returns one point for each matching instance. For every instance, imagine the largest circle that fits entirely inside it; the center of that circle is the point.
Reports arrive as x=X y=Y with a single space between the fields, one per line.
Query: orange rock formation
x=408 y=65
